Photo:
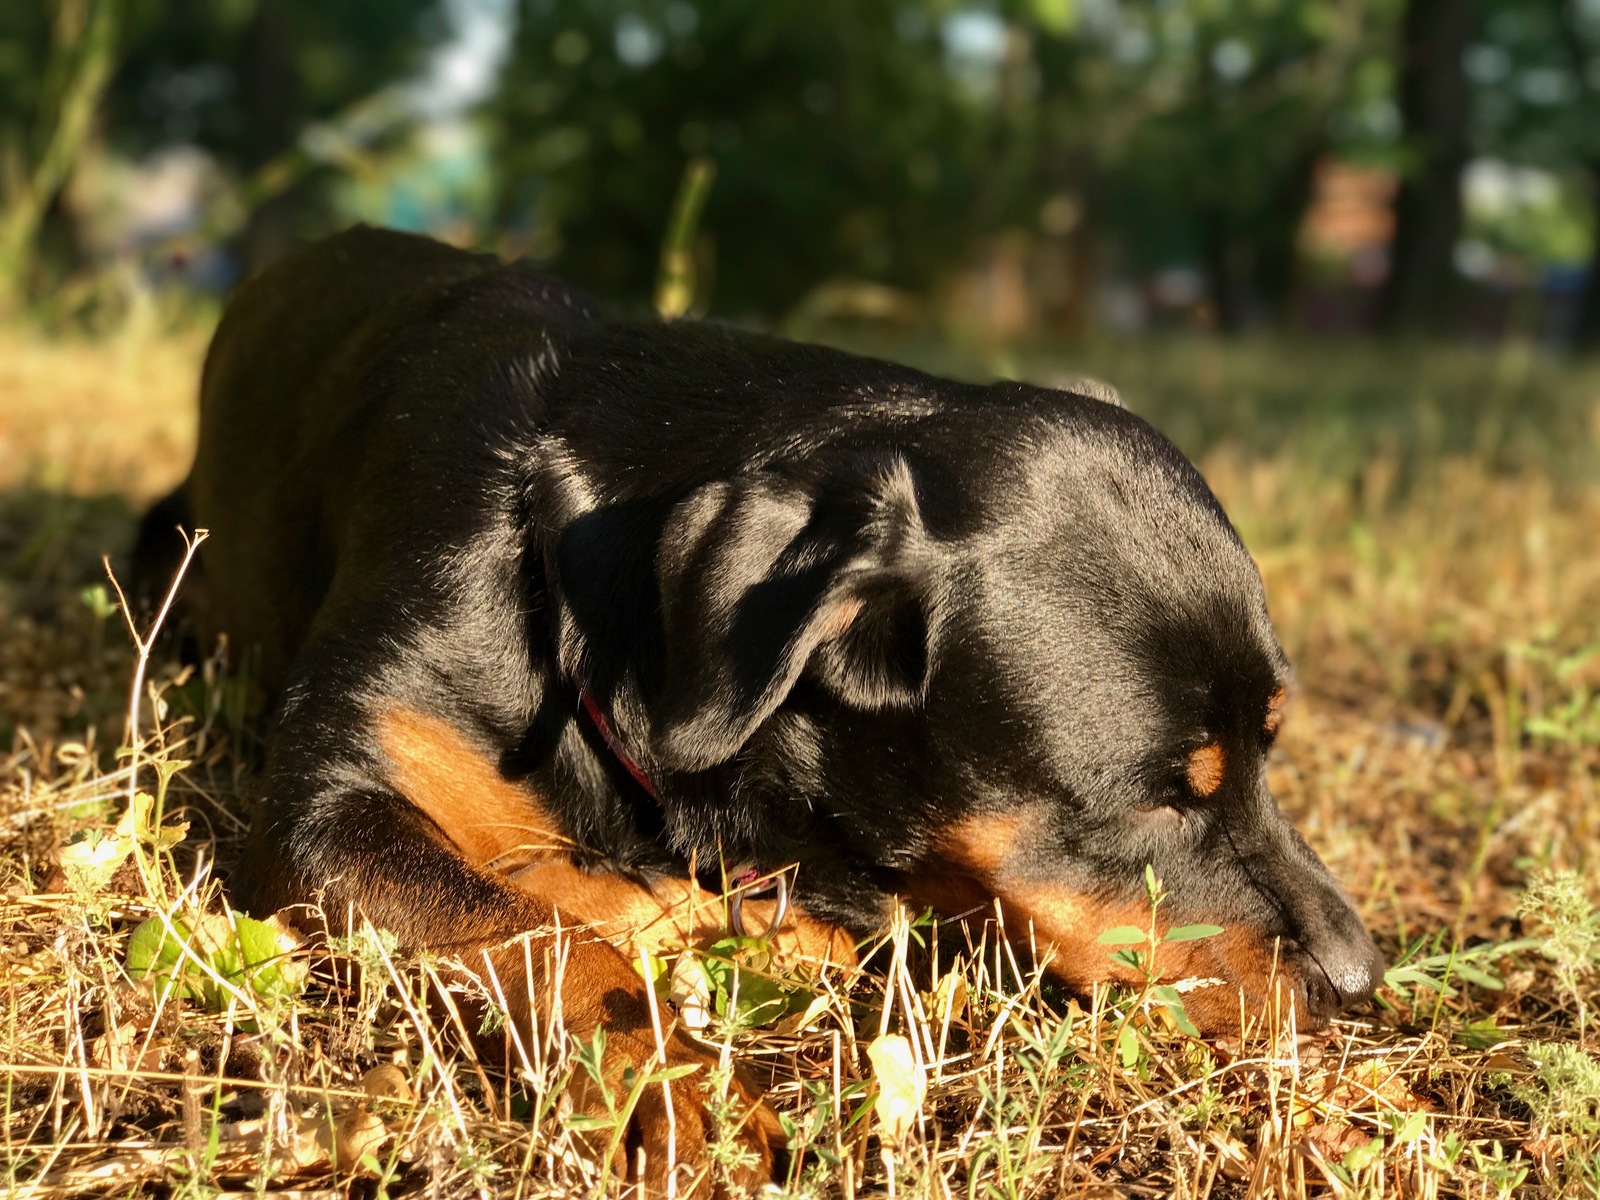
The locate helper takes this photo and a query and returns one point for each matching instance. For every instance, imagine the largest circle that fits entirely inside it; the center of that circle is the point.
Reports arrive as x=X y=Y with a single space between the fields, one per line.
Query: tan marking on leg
x=498 y=825
x=1276 y=703
x=501 y=826
x=620 y=910
x=985 y=844
x=600 y=988
x=1205 y=768
x=490 y=819
x=672 y=914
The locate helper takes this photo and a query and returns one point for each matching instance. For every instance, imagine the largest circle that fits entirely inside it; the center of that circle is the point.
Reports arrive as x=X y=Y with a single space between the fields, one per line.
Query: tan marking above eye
x=1205 y=769
x=1276 y=703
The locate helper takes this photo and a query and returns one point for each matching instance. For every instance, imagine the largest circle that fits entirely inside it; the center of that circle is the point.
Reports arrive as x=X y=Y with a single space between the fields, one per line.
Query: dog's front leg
x=357 y=845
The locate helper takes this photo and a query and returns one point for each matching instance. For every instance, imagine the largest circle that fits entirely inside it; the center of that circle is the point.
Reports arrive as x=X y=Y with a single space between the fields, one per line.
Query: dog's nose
x=1353 y=968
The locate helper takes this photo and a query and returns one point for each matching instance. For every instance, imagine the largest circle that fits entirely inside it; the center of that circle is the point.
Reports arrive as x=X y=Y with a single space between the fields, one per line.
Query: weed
x=1504 y=1175
x=1564 y=1091
x=1143 y=960
x=1559 y=901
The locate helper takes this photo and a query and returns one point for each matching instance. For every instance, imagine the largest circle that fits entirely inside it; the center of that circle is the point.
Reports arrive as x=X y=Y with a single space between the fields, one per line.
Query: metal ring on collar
x=780 y=884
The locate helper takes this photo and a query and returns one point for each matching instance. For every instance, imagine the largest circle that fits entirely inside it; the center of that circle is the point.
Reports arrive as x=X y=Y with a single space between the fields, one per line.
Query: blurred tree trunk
x=270 y=97
x=1588 y=332
x=1277 y=267
x=1435 y=103
x=1253 y=271
x=83 y=52
x=1230 y=261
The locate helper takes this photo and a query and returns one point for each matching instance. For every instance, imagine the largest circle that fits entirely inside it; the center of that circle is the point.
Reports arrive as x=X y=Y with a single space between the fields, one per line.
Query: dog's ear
x=763 y=579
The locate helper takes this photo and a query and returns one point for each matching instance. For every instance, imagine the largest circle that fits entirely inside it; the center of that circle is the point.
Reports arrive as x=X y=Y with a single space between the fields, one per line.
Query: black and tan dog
x=555 y=605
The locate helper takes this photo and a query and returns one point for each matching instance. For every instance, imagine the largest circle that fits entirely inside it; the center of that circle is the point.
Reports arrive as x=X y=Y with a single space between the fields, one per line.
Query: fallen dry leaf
x=386 y=1081
x=355 y=1134
x=124 y=1048
x=902 y=1085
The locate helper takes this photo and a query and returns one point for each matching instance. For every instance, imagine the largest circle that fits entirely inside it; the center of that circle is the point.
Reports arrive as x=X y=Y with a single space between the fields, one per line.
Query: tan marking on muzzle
x=1065 y=925
x=985 y=844
x=1205 y=769
x=1213 y=973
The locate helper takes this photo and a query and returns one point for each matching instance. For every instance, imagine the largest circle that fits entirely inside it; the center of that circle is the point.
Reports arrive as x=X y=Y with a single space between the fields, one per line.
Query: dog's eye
x=1154 y=812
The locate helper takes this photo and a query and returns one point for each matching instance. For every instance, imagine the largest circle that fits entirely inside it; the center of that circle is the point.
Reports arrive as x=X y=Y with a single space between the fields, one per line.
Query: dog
x=567 y=615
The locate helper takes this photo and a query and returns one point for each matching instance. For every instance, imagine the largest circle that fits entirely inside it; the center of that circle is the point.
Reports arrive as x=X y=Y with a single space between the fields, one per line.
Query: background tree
x=922 y=144
x=246 y=81
x=842 y=145
x=1435 y=112
x=887 y=140
x=1240 y=104
x=52 y=76
x=1535 y=74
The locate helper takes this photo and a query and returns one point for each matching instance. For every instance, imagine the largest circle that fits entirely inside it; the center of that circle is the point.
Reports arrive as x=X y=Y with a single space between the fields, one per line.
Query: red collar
x=608 y=735
x=741 y=878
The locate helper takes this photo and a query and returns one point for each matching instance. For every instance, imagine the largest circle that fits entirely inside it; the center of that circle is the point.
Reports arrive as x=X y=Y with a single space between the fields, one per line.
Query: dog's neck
x=602 y=725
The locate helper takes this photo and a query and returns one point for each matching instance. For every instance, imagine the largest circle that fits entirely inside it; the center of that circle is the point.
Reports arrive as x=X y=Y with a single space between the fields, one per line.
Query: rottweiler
x=562 y=612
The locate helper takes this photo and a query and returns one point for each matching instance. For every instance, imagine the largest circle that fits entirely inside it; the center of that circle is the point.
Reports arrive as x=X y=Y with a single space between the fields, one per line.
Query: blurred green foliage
x=841 y=146
x=243 y=78
x=896 y=142
x=879 y=138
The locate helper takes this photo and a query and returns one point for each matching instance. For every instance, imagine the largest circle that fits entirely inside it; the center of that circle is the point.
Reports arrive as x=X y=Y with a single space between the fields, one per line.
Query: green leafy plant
x=1019 y=1108
x=1137 y=949
x=1575 y=718
x=1563 y=1093
x=746 y=988
x=730 y=1156
x=1503 y=1174
x=1446 y=1152
x=93 y=856
x=612 y=1123
x=1358 y=1165
x=1558 y=901
x=1425 y=965
x=206 y=960
x=101 y=608
x=804 y=1135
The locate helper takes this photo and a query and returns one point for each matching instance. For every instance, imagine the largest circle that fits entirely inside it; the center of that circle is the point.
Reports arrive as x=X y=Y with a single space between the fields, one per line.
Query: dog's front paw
x=702 y=1126
x=697 y=1123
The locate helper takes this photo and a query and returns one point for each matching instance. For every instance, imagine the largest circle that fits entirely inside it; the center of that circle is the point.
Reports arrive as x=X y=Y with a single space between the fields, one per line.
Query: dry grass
x=1435 y=578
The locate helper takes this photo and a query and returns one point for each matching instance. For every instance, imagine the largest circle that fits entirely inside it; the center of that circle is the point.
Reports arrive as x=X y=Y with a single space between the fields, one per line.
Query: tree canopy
x=887 y=142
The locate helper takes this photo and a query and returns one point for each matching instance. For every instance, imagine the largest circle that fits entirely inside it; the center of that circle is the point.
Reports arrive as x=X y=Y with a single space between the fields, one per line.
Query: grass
x=1427 y=527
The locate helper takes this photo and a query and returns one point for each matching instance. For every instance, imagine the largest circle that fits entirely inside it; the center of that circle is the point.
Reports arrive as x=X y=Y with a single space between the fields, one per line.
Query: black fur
x=831 y=605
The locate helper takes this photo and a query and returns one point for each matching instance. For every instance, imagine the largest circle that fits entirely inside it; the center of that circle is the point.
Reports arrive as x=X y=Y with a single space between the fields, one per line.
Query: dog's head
x=1013 y=652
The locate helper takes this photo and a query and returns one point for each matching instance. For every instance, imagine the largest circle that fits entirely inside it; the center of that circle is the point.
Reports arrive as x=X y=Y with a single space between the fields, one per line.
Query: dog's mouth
x=1228 y=978
x=1230 y=971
